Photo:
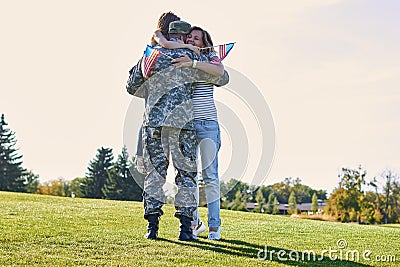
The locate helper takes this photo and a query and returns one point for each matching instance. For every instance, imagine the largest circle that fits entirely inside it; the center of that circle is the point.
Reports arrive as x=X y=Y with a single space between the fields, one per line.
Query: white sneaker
x=198 y=230
x=215 y=235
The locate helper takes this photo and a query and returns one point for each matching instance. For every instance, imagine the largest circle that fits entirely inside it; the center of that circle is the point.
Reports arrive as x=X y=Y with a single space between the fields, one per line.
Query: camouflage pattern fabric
x=159 y=142
x=169 y=90
x=168 y=127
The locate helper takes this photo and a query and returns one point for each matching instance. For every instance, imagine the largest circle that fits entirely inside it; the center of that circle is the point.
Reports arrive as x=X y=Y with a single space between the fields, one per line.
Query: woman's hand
x=184 y=61
x=215 y=62
x=195 y=49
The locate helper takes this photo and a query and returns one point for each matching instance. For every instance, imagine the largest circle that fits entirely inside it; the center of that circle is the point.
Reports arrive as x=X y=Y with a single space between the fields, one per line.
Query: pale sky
x=329 y=71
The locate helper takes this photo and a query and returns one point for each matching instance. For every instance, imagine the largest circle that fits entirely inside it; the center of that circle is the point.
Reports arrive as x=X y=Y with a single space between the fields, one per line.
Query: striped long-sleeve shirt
x=203 y=99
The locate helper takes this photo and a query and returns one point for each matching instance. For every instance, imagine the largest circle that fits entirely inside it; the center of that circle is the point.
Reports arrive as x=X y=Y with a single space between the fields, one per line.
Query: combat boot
x=186 y=233
x=152 y=228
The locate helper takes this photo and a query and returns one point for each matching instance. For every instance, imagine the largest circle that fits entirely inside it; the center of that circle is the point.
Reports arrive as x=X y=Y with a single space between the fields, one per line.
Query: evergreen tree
x=260 y=201
x=123 y=179
x=31 y=182
x=266 y=190
x=240 y=202
x=132 y=180
x=275 y=210
x=271 y=204
x=113 y=188
x=314 y=203
x=135 y=183
x=292 y=203
x=97 y=173
x=11 y=171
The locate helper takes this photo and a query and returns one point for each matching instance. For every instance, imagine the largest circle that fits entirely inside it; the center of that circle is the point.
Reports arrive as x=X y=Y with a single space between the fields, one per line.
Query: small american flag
x=224 y=50
x=150 y=56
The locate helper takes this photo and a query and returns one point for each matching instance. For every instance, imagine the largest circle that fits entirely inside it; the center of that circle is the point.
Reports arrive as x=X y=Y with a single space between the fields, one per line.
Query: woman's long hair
x=207 y=41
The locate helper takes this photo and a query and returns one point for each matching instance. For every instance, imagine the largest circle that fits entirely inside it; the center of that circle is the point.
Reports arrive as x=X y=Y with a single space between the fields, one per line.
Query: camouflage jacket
x=168 y=90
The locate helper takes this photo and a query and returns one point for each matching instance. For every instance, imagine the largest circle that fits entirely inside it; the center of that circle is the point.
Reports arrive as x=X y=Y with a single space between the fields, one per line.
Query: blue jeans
x=209 y=140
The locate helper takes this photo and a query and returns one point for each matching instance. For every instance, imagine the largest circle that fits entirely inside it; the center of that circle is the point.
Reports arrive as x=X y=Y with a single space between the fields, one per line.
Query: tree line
x=352 y=201
x=118 y=179
x=236 y=195
x=105 y=178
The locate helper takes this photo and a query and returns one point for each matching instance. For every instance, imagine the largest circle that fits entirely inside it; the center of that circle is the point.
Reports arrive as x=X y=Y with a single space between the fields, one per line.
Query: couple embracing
x=177 y=80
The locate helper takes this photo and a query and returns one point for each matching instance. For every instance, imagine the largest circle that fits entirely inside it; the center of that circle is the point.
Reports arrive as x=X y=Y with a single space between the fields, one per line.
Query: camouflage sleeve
x=216 y=80
x=135 y=81
x=192 y=54
x=199 y=75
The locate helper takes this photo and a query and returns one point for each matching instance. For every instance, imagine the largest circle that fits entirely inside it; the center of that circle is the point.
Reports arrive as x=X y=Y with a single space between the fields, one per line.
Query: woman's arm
x=216 y=68
x=161 y=40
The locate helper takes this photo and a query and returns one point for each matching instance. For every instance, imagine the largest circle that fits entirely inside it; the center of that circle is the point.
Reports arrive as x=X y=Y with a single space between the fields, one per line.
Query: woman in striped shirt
x=207 y=129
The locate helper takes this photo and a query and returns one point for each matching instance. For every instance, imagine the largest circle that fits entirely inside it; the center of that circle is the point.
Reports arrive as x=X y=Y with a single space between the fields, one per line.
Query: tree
x=252 y=191
x=346 y=201
x=270 y=204
x=229 y=189
x=76 y=187
x=260 y=201
x=352 y=181
x=275 y=210
x=113 y=187
x=11 y=170
x=44 y=188
x=314 y=203
x=132 y=180
x=368 y=213
x=267 y=190
x=321 y=194
x=124 y=182
x=279 y=190
x=97 y=173
x=292 y=203
x=57 y=187
x=396 y=199
x=391 y=195
x=303 y=193
x=377 y=200
x=240 y=202
x=31 y=182
x=282 y=190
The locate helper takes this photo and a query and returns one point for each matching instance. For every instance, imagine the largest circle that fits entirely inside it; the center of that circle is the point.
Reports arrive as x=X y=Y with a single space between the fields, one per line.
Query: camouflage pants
x=158 y=143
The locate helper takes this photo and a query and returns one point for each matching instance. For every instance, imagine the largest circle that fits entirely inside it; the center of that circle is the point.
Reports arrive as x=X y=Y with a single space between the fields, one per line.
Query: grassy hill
x=54 y=231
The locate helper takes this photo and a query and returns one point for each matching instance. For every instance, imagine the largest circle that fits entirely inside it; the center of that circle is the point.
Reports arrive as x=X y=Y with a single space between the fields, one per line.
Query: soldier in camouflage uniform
x=168 y=128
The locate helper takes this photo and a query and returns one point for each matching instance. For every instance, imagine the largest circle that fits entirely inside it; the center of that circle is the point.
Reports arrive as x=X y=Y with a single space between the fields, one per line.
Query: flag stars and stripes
x=150 y=56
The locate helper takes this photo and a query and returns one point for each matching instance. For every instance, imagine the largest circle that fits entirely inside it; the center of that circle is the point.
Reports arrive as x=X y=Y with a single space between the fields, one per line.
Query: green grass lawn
x=55 y=231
